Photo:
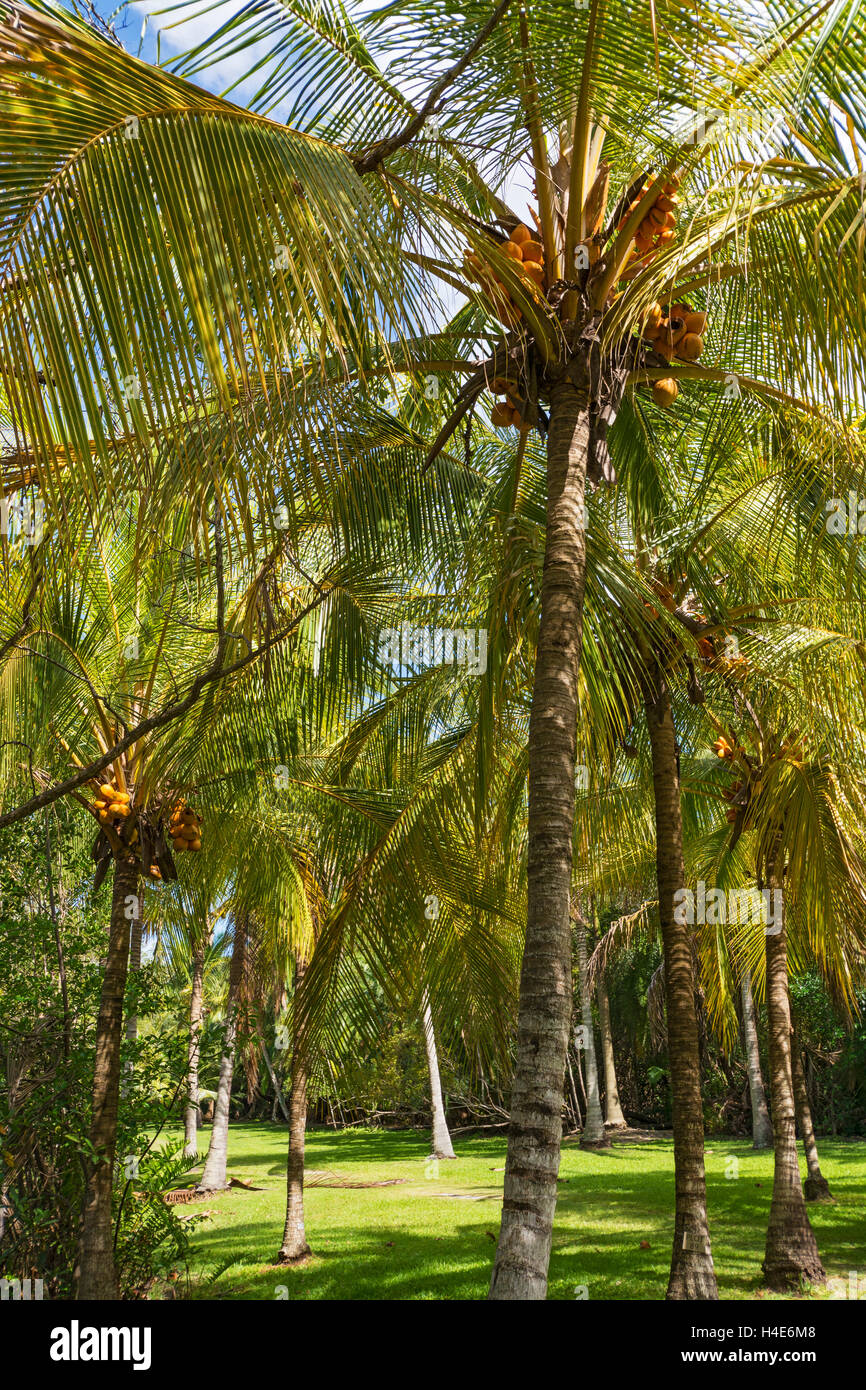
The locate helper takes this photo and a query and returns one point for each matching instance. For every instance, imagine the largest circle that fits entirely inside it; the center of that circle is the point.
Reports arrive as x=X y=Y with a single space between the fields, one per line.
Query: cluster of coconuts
x=184 y=827
x=112 y=805
x=673 y=330
x=658 y=227
x=509 y=411
x=528 y=256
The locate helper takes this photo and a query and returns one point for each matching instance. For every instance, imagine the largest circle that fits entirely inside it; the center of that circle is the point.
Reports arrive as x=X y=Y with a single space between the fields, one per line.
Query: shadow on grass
x=411 y=1243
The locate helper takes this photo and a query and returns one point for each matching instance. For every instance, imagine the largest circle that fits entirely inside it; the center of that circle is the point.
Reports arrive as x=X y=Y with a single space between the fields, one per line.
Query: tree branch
x=369 y=160
x=216 y=671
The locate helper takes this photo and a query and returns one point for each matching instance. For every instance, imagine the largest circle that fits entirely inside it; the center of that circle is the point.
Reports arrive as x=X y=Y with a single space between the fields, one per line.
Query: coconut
x=665 y=392
x=511 y=250
x=195 y=845
x=520 y=235
x=533 y=251
x=500 y=415
x=535 y=272
x=106 y=790
x=696 y=323
x=690 y=346
x=652 y=319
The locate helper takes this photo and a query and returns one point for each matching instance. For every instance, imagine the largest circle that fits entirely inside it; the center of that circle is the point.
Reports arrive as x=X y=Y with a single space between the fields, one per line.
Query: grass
x=411 y=1241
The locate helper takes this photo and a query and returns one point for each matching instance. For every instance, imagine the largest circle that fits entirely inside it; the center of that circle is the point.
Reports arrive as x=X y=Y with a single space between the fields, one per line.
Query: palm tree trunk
x=692 y=1273
x=294 y=1249
x=816 y=1187
x=214 y=1176
x=95 y=1274
x=613 y=1116
x=762 y=1128
x=193 y=1048
x=544 y=1013
x=442 y=1146
x=593 y=1136
x=791 y=1251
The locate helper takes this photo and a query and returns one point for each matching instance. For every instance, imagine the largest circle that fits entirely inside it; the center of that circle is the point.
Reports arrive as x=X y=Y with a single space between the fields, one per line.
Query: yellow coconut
x=690 y=347
x=665 y=392
x=696 y=323
x=500 y=415
x=533 y=251
x=520 y=235
x=652 y=319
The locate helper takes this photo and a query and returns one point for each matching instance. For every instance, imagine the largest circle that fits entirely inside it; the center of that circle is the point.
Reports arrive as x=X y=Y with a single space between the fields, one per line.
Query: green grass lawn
x=413 y=1241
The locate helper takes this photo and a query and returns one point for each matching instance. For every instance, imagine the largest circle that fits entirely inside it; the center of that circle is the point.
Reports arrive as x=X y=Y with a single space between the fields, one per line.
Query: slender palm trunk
x=762 y=1129
x=95 y=1273
x=791 y=1250
x=190 y=1125
x=593 y=1136
x=692 y=1273
x=816 y=1187
x=544 y=1014
x=442 y=1146
x=294 y=1248
x=613 y=1116
x=214 y=1175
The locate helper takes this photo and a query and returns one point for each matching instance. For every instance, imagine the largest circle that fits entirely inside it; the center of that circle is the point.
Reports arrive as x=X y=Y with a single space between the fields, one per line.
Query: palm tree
x=816 y=1187
x=213 y=1177
x=762 y=1128
x=613 y=1116
x=442 y=1146
x=802 y=809
x=86 y=695
x=593 y=1135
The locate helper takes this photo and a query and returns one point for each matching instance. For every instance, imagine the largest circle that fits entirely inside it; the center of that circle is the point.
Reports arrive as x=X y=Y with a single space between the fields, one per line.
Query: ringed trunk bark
x=816 y=1187
x=193 y=1048
x=613 y=1116
x=95 y=1274
x=544 y=1013
x=692 y=1273
x=294 y=1249
x=593 y=1136
x=791 y=1251
x=214 y=1176
x=442 y=1146
x=762 y=1128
